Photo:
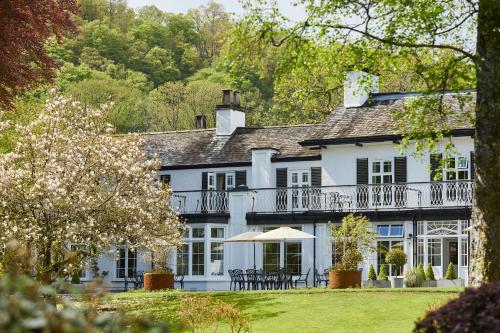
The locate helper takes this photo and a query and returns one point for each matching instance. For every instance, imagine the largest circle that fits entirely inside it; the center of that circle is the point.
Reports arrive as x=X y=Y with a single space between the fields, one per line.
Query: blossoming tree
x=69 y=181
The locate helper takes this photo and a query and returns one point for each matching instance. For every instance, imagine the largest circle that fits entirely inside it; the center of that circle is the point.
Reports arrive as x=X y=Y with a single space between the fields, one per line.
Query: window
x=198 y=232
x=294 y=257
x=381 y=172
x=217 y=258
x=457 y=168
x=183 y=260
x=434 y=251
x=420 y=252
x=390 y=230
x=198 y=258
x=383 y=246
x=271 y=256
x=300 y=197
x=165 y=179
x=217 y=233
x=204 y=248
x=464 y=252
x=126 y=264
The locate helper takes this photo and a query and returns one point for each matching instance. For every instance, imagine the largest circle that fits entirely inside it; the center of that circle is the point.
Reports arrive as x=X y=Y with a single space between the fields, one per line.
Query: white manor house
x=233 y=178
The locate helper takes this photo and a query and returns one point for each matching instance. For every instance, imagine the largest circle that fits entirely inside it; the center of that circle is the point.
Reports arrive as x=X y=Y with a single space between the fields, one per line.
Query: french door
x=382 y=177
x=300 y=181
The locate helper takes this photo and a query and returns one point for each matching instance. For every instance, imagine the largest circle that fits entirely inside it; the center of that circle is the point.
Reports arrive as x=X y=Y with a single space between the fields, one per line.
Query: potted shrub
x=450 y=278
x=382 y=279
x=350 y=238
x=430 y=281
x=161 y=277
x=373 y=282
x=397 y=258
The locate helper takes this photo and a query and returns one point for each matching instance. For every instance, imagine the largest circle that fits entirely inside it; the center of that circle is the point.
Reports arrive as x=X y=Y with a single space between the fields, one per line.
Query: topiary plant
x=475 y=310
x=450 y=273
x=371 y=273
x=429 y=273
x=75 y=278
x=396 y=257
x=420 y=270
x=382 y=274
x=414 y=278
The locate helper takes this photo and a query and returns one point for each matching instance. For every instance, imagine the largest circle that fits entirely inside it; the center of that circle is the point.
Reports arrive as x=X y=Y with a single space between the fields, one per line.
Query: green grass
x=313 y=310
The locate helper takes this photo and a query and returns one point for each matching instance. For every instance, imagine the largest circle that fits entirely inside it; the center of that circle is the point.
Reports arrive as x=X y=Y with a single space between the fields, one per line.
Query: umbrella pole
x=254 y=267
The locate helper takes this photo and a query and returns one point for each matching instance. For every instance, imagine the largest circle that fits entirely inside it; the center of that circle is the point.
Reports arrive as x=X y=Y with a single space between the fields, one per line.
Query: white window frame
x=206 y=240
x=456 y=169
x=115 y=266
x=303 y=196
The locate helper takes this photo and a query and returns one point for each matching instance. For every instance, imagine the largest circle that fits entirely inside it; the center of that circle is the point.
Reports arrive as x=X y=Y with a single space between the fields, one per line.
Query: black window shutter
x=241 y=178
x=400 y=172
x=281 y=177
x=204 y=180
x=316 y=176
x=362 y=179
x=281 y=194
x=362 y=171
x=435 y=165
x=471 y=165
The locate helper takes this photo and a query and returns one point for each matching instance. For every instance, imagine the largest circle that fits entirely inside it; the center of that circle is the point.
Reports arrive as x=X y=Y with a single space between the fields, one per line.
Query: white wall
x=339 y=162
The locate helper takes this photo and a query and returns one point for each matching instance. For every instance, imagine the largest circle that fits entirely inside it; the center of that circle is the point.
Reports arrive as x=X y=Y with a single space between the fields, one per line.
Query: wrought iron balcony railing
x=362 y=197
x=200 y=202
x=332 y=198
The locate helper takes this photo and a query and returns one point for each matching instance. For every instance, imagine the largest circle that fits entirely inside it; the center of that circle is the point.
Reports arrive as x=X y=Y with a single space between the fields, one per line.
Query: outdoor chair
x=239 y=279
x=253 y=279
x=320 y=278
x=139 y=280
x=179 y=279
x=270 y=280
x=302 y=278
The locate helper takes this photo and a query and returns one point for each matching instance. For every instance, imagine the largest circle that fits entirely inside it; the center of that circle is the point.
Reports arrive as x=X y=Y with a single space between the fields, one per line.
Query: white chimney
x=229 y=115
x=357 y=88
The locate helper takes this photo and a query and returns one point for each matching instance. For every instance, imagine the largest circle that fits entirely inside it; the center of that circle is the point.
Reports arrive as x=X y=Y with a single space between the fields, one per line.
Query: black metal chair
x=325 y=277
x=179 y=278
x=239 y=279
x=139 y=280
x=231 y=276
x=302 y=278
x=253 y=279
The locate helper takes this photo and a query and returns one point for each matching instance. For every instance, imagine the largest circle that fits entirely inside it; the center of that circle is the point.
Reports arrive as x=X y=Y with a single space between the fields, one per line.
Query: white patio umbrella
x=283 y=234
x=246 y=237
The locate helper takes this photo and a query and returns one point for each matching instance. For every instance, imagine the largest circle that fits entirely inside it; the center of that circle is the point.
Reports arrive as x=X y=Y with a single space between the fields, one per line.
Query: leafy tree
x=129 y=110
x=69 y=73
x=91 y=10
x=24 y=28
x=174 y=105
x=212 y=23
x=91 y=57
x=467 y=30
x=69 y=181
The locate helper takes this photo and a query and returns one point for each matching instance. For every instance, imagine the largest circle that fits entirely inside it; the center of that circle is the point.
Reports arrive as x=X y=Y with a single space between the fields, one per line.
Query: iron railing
x=362 y=197
x=199 y=202
x=342 y=198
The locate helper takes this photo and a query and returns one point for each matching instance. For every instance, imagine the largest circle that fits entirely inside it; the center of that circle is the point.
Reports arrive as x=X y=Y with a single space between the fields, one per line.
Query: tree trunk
x=485 y=233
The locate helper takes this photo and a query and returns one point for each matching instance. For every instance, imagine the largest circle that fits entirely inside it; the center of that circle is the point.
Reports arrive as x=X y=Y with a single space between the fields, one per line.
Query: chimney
x=200 y=122
x=229 y=115
x=357 y=88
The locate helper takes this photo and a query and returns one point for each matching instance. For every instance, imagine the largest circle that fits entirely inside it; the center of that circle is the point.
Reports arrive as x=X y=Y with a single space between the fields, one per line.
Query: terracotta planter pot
x=158 y=281
x=344 y=279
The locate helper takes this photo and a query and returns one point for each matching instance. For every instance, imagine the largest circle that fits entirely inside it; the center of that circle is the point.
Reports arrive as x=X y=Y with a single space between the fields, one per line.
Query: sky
x=234 y=6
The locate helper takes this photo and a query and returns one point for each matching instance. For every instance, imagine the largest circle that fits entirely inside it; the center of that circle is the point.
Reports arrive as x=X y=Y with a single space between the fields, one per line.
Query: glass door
x=300 y=181
x=382 y=180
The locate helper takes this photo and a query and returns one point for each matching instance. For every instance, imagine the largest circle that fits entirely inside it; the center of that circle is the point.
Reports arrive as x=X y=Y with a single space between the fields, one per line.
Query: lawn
x=313 y=310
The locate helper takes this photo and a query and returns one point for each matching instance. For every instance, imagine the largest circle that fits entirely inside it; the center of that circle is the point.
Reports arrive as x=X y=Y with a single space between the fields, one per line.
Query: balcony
x=359 y=198
x=343 y=198
x=200 y=202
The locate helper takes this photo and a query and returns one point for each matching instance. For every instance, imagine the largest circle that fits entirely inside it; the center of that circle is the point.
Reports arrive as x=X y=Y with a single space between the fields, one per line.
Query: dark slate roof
x=202 y=148
x=375 y=121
